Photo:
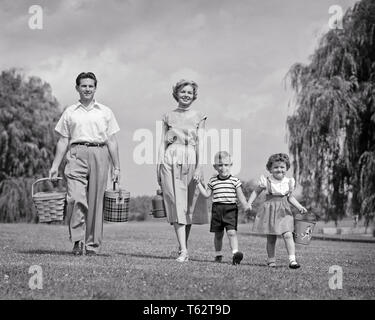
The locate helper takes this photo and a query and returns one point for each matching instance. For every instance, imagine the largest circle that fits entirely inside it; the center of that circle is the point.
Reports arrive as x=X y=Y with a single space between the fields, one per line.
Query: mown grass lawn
x=137 y=261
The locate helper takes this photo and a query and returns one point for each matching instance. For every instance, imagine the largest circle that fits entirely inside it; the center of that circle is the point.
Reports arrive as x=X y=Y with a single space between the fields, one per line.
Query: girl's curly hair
x=182 y=83
x=282 y=157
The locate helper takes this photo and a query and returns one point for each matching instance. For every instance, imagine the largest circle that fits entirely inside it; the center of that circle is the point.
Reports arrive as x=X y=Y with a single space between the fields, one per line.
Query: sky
x=238 y=52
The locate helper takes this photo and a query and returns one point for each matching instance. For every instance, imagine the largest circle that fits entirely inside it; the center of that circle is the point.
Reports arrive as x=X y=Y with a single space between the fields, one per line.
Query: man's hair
x=278 y=157
x=182 y=83
x=222 y=155
x=86 y=75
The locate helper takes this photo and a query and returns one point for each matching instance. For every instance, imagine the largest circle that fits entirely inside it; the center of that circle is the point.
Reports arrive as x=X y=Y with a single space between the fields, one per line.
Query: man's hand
x=116 y=174
x=53 y=173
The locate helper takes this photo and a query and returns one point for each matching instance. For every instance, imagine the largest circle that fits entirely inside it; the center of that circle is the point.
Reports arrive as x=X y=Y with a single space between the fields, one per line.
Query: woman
x=180 y=165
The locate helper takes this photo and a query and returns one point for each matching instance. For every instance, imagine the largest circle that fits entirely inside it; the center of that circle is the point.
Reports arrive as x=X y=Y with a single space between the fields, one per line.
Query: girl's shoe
x=183 y=257
x=294 y=265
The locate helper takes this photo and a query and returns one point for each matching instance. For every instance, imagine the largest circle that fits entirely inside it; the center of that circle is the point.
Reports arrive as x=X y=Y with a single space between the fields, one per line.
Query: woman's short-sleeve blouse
x=182 y=126
x=283 y=187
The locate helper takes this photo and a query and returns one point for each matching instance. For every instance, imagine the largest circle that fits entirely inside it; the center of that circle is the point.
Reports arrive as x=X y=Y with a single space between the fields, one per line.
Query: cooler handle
x=120 y=199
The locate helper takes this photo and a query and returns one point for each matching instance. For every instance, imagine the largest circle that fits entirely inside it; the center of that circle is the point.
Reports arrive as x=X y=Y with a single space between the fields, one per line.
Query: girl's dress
x=183 y=202
x=274 y=215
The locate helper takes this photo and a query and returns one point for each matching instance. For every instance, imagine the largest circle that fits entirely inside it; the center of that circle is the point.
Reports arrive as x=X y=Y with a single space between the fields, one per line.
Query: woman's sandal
x=183 y=257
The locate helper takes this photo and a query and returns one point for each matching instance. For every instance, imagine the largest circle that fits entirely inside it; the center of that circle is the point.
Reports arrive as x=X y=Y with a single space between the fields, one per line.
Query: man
x=87 y=137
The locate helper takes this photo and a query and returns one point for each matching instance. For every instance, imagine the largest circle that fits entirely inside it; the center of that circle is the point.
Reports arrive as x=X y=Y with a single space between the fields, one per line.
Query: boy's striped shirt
x=224 y=190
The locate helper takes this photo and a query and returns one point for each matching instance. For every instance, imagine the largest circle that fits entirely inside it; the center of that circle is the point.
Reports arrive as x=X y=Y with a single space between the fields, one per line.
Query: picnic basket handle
x=39 y=180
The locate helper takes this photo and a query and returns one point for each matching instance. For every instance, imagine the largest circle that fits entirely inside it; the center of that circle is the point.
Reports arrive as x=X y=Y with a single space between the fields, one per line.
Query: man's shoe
x=271 y=264
x=78 y=248
x=90 y=252
x=237 y=257
x=218 y=258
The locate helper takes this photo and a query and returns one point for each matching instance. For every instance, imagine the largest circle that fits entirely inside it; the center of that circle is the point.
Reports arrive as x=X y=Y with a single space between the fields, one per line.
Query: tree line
x=331 y=132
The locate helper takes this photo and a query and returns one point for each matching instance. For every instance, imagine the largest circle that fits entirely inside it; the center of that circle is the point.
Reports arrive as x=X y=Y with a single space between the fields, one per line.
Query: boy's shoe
x=237 y=257
x=294 y=265
x=218 y=258
x=183 y=257
x=78 y=248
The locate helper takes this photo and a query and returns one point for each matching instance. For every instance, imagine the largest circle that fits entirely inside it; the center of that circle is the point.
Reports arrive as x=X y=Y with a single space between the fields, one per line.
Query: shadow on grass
x=59 y=253
x=139 y=255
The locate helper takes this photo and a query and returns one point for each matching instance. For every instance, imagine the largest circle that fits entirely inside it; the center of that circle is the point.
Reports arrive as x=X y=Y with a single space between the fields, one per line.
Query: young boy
x=226 y=190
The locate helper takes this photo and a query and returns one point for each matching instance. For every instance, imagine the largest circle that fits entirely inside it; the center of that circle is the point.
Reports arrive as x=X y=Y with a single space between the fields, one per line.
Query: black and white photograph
x=187 y=155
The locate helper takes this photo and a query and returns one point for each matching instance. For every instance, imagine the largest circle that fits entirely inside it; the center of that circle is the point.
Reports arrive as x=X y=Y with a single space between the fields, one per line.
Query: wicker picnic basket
x=116 y=204
x=50 y=204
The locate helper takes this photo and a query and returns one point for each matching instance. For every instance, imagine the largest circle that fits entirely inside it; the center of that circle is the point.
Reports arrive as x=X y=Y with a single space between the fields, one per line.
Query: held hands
x=250 y=205
x=247 y=207
x=197 y=175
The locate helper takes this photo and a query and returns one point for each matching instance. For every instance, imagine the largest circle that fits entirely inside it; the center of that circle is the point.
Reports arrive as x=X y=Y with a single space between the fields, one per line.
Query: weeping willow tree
x=28 y=112
x=332 y=130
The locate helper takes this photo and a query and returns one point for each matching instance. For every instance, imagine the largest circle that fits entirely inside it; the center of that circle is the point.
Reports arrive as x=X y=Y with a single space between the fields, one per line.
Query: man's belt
x=89 y=144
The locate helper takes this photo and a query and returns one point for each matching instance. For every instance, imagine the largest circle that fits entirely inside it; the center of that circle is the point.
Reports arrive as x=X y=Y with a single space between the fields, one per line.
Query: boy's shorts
x=224 y=215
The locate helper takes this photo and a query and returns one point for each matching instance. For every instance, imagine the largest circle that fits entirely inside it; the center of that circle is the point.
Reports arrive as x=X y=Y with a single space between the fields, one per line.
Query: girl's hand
x=303 y=210
x=250 y=206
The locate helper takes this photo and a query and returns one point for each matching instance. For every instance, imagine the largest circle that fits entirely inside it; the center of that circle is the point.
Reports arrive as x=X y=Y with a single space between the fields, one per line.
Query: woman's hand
x=158 y=175
x=197 y=175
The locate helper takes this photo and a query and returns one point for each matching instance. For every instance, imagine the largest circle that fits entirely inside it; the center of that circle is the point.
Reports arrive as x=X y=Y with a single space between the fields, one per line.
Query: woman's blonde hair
x=182 y=83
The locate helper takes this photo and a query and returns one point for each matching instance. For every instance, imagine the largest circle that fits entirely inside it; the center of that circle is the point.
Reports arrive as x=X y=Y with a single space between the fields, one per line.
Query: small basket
x=49 y=205
x=116 y=204
x=303 y=228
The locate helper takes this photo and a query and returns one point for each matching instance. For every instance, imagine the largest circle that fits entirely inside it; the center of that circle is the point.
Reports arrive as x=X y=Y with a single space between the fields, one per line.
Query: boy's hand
x=250 y=206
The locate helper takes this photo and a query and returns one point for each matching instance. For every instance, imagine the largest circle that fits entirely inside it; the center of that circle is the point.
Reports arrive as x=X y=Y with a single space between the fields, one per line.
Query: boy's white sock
x=234 y=251
x=218 y=253
x=292 y=258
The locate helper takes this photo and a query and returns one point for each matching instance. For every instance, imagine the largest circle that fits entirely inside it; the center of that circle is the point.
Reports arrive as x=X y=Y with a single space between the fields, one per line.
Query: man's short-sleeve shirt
x=95 y=123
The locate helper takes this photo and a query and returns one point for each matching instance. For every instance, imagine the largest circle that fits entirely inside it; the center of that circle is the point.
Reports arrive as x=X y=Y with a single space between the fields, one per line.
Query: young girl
x=274 y=216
